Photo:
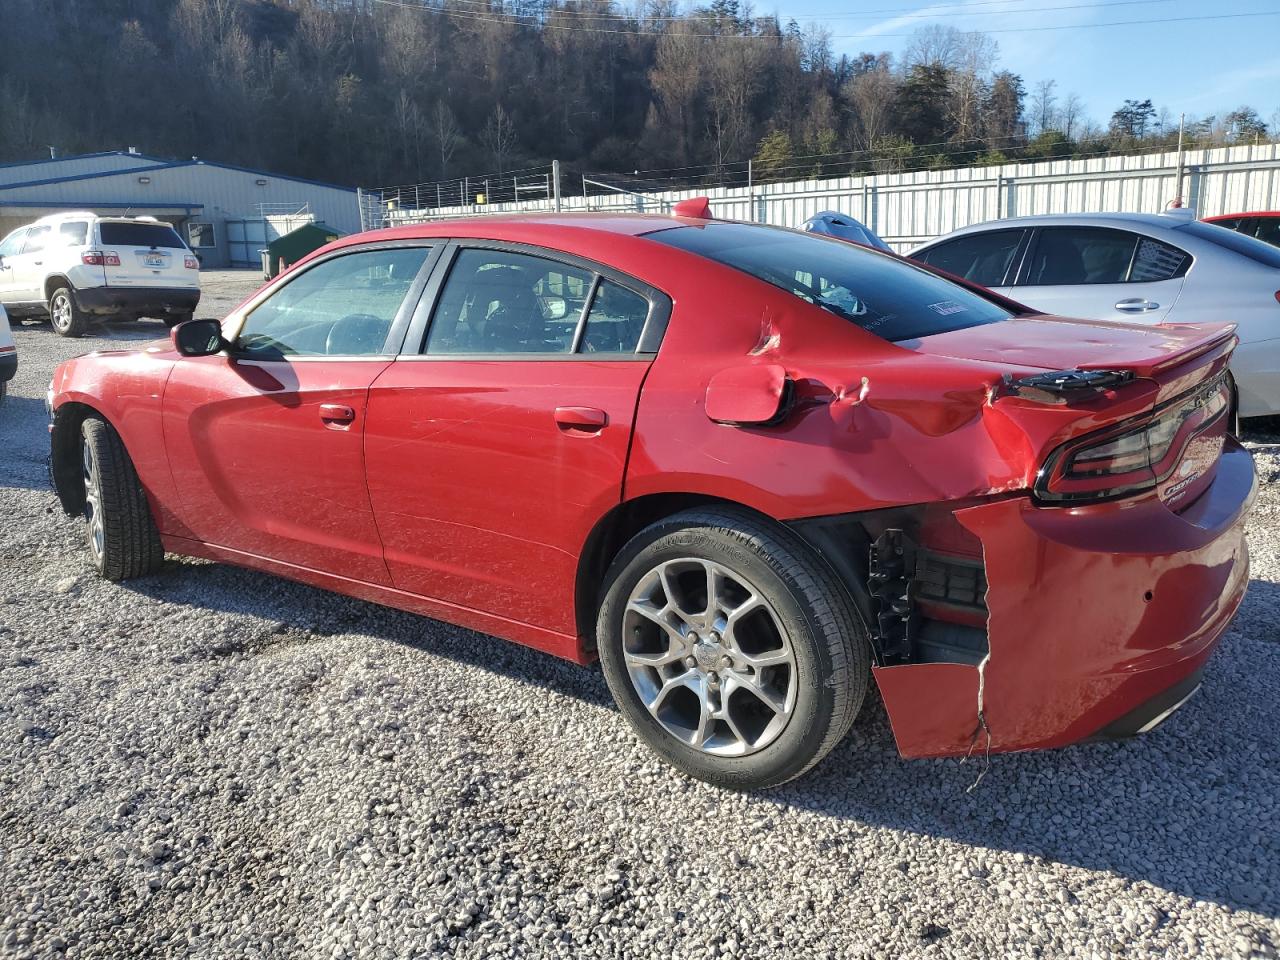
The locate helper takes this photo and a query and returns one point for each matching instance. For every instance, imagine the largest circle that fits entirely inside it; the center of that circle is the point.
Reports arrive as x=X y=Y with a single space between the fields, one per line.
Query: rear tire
x=122 y=536
x=739 y=699
x=65 y=314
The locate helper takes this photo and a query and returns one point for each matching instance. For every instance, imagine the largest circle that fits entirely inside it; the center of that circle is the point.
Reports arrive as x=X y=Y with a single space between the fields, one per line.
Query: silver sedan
x=1134 y=268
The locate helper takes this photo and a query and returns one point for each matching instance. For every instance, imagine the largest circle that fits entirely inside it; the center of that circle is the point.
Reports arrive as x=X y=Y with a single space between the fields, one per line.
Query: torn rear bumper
x=1094 y=611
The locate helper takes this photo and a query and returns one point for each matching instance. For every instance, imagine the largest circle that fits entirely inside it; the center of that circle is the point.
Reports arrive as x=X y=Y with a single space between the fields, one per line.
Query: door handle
x=336 y=414
x=582 y=419
x=1136 y=305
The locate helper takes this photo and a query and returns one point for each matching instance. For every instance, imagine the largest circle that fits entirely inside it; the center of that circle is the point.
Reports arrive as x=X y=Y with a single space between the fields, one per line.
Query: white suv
x=74 y=266
x=8 y=355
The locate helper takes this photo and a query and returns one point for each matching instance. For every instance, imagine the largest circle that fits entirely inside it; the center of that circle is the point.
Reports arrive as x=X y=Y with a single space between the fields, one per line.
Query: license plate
x=153 y=259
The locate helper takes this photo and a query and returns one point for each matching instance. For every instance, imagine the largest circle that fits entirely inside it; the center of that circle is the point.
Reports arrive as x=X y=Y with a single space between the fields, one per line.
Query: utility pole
x=751 y=193
x=1177 y=188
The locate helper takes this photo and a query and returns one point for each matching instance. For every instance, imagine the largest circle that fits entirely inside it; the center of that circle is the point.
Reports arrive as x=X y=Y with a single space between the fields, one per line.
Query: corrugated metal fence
x=907 y=209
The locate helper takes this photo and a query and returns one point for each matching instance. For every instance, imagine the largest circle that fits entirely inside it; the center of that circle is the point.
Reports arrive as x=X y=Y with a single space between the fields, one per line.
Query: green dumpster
x=296 y=244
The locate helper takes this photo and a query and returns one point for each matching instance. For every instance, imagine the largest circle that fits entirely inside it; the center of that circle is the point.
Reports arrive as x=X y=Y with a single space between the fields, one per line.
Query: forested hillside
x=384 y=91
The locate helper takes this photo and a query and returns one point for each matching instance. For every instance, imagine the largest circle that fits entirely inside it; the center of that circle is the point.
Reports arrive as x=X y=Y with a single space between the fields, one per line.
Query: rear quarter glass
x=879 y=293
x=1256 y=250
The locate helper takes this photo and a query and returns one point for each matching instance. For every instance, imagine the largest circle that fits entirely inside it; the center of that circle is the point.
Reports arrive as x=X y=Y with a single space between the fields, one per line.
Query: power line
x=900 y=13
x=510 y=20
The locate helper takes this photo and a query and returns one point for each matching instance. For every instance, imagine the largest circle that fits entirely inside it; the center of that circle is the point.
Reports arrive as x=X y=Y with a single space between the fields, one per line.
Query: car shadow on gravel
x=1189 y=808
x=22 y=462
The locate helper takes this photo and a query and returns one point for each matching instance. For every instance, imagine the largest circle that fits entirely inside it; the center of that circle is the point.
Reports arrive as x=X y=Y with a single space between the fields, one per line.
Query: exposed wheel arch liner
x=64 y=453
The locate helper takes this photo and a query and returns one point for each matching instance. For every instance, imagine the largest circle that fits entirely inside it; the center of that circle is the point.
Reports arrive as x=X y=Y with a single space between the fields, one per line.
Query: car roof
x=1148 y=221
x=529 y=225
x=1237 y=216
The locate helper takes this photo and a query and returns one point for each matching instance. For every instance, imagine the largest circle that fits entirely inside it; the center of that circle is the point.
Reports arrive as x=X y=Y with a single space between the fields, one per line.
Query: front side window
x=13 y=243
x=37 y=239
x=343 y=306
x=982 y=258
x=501 y=302
x=877 y=292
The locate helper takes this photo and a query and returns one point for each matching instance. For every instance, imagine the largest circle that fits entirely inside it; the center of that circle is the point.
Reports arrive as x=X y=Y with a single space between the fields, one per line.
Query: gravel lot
x=212 y=762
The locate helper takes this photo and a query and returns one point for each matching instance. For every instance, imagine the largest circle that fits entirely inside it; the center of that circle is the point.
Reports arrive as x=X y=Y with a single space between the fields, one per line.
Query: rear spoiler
x=1202 y=338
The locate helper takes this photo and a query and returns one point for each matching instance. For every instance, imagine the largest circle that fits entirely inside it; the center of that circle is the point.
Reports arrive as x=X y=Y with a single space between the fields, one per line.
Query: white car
x=1134 y=268
x=8 y=354
x=75 y=266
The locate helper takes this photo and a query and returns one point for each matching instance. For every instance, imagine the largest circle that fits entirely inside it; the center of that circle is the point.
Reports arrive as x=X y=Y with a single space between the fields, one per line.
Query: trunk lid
x=142 y=253
x=1056 y=343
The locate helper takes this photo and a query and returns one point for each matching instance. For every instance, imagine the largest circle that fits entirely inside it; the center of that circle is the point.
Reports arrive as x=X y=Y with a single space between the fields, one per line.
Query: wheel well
x=610 y=535
x=53 y=283
x=64 y=454
x=846 y=555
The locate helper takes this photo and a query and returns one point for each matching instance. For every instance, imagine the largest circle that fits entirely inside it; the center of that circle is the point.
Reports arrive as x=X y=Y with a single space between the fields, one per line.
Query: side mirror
x=756 y=395
x=198 y=338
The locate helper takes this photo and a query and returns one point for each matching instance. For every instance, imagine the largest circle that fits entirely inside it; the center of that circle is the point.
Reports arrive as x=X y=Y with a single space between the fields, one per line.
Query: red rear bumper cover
x=1093 y=611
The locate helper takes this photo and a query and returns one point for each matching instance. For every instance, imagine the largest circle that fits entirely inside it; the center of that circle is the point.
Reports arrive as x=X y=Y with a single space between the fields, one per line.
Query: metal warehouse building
x=226 y=213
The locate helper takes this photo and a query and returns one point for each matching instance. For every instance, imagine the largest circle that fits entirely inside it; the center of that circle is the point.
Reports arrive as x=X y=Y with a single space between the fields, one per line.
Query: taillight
x=1278 y=296
x=92 y=258
x=191 y=263
x=1132 y=456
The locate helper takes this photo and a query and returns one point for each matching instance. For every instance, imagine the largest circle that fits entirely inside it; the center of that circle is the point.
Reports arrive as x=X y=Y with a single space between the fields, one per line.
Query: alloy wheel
x=60 y=312
x=93 y=501
x=709 y=657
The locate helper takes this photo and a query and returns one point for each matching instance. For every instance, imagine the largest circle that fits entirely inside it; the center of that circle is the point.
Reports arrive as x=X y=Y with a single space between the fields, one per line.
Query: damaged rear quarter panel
x=1092 y=610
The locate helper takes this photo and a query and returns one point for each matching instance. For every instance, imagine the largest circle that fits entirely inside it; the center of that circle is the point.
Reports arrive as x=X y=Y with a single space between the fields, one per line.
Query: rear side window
x=117 y=234
x=74 y=233
x=616 y=320
x=1068 y=256
x=983 y=258
x=1269 y=230
x=879 y=293
x=1250 y=247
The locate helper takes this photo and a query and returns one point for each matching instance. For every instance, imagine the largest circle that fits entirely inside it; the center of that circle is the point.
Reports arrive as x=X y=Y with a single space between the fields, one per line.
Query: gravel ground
x=213 y=762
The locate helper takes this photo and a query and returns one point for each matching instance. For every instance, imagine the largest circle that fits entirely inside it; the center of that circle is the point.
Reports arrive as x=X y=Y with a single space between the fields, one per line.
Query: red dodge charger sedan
x=749 y=469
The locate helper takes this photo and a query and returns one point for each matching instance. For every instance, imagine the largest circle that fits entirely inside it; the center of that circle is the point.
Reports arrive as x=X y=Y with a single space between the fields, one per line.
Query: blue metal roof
x=167 y=166
x=78 y=156
x=89 y=204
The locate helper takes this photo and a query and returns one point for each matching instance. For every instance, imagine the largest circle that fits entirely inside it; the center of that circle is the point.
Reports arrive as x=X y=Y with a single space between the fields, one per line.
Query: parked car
x=737 y=463
x=1263 y=226
x=1134 y=268
x=8 y=354
x=72 y=267
x=832 y=223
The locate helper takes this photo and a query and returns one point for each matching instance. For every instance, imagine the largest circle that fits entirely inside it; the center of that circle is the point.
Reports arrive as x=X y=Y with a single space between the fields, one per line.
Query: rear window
x=1250 y=247
x=884 y=296
x=116 y=234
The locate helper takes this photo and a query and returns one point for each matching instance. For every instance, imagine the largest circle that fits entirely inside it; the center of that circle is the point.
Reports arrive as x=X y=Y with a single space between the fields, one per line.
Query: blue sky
x=1202 y=67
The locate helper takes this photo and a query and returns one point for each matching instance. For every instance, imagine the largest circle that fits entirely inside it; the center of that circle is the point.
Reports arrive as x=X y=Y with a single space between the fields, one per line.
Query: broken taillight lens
x=1132 y=456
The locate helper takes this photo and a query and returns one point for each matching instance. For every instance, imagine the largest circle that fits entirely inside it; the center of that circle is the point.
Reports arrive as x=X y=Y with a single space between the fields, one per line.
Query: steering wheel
x=357 y=334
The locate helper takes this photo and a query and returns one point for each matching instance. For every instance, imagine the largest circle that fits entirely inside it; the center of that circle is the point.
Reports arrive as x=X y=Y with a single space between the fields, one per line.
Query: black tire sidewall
x=794 y=750
x=76 y=327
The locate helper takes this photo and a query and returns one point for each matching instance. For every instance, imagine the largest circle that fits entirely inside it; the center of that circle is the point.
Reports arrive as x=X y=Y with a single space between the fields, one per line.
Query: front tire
x=731 y=648
x=122 y=536
x=65 y=314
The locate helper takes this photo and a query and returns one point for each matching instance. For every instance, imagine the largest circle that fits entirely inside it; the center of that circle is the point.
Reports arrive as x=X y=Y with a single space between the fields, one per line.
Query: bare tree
x=500 y=137
x=1071 y=115
x=447 y=135
x=871 y=96
x=1042 y=106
